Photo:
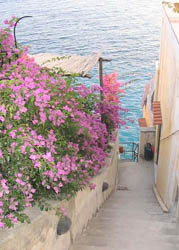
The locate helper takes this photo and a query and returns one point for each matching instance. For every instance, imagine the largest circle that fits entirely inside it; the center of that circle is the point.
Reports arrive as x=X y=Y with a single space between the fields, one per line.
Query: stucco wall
x=167 y=93
x=148 y=116
x=41 y=233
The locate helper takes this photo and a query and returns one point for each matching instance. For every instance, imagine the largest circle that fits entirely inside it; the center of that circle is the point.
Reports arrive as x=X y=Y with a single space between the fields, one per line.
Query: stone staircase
x=131 y=218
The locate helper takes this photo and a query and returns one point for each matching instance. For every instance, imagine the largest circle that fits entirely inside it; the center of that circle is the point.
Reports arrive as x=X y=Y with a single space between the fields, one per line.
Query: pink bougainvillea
x=53 y=134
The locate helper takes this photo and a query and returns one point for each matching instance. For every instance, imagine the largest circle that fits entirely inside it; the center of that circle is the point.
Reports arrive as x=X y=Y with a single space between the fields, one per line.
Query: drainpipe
x=158 y=144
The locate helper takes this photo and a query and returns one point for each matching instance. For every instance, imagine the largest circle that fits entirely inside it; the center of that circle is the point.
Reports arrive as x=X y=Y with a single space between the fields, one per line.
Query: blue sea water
x=126 y=31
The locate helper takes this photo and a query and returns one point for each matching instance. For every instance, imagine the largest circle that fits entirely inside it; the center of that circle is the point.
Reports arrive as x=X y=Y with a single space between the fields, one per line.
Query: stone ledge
x=41 y=234
x=147 y=129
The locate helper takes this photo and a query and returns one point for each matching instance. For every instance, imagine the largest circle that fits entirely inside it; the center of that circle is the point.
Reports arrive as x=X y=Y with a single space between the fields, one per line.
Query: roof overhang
x=157 y=114
x=69 y=64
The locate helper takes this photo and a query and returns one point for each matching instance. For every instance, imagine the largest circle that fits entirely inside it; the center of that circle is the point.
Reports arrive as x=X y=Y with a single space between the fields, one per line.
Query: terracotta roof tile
x=142 y=122
x=157 y=114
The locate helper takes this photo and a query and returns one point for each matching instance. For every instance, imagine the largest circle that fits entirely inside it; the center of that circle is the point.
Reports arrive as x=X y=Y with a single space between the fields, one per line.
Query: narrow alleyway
x=131 y=218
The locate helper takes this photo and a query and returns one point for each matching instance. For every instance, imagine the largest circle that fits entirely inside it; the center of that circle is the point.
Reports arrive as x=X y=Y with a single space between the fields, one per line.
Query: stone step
x=117 y=221
x=123 y=235
x=136 y=210
x=133 y=247
x=135 y=215
x=128 y=230
x=82 y=247
x=148 y=219
x=126 y=243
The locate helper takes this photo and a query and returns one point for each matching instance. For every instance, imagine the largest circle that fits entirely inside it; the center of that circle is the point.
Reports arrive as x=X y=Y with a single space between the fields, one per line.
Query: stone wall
x=147 y=135
x=41 y=234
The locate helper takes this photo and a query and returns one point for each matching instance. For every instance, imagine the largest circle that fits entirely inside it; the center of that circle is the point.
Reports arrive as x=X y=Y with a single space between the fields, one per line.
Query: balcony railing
x=130 y=151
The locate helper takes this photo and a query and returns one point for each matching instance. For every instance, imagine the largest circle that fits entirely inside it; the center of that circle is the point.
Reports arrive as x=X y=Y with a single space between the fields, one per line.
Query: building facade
x=161 y=111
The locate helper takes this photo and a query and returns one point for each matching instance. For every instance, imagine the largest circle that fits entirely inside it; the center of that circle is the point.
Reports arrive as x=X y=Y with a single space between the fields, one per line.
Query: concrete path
x=131 y=218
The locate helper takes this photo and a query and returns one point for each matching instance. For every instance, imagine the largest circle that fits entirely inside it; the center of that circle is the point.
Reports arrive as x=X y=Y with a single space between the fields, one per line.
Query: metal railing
x=3 y=54
x=130 y=151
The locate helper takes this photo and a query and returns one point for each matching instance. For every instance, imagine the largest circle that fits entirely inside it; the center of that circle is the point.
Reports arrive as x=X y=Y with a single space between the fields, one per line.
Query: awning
x=70 y=64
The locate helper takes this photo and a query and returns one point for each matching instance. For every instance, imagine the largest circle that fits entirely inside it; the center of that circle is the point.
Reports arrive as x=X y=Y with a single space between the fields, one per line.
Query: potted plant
x=121 y=150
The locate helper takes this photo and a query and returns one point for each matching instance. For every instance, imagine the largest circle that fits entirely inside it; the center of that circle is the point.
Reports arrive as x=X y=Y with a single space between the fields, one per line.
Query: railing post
x=132 y=151
x=101 y=77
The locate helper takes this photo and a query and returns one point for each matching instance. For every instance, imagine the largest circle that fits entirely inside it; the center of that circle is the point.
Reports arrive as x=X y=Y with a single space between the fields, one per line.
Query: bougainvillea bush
x=53 y=139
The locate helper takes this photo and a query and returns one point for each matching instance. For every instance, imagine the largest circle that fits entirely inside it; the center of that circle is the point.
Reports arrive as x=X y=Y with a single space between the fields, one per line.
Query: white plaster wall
x=168 y=95
x=173 y=166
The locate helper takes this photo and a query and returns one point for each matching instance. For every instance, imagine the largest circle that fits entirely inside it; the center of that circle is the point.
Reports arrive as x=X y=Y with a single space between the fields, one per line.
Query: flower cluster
x=53 y=138
x=112 y=87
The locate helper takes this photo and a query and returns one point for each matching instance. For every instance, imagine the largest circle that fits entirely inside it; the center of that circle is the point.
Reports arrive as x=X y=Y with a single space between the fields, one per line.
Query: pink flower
x=43 y=183
x=2 y=109
x=33 y=157
x=2 y=225
x=34 y=121
x=11 y=24
x=1 y=154
x=16 y=50
x=13 y=207
x=1 y=203
x=43 y=117
x=92 y=186
x=6 y=21
x=63 y=211
x=27 y=204
x=14 y=220
x=2 y=119
x=33 y=190
x=67 y=108
x=23 y=109
x=48 y=157
x=6 y=190
x=60 y=184
x=9 y=126
x=23 y=149
x=13 y=134
x=37 y=164
x=18 y=180
x=56 y=190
